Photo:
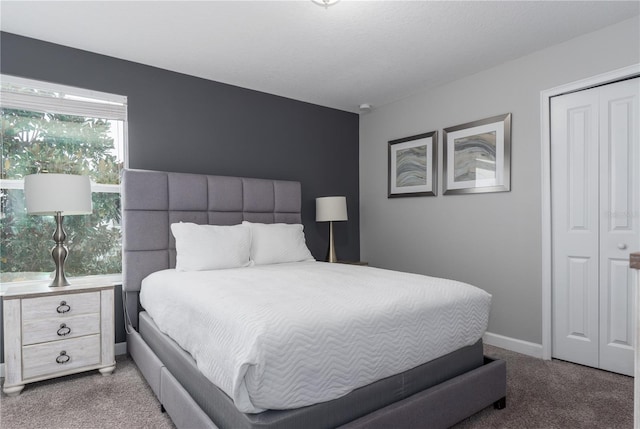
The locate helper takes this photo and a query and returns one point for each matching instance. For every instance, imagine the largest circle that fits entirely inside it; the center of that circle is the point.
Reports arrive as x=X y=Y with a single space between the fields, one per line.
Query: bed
x=437 y=393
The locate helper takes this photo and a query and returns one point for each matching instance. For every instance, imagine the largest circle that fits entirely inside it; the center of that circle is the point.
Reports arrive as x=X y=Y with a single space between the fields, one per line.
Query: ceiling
x=351 y=53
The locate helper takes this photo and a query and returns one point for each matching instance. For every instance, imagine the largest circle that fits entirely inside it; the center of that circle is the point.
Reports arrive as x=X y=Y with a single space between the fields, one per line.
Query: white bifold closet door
x=595 y=198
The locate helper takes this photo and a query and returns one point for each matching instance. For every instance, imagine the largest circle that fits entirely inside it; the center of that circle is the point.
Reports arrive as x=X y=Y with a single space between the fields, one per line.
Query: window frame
x=74 y=101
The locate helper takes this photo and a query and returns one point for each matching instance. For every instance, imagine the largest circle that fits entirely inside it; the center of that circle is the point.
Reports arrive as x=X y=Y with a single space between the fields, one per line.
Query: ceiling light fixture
x=325 y=3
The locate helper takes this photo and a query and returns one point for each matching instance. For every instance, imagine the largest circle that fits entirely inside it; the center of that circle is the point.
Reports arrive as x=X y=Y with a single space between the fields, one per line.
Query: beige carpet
x=557 y=395
x=540 y=395
x=86 y=401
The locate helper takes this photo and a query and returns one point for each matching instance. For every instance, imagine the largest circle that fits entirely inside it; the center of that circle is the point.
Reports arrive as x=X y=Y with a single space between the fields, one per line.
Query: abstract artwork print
x=475 y=157
x=412 y=166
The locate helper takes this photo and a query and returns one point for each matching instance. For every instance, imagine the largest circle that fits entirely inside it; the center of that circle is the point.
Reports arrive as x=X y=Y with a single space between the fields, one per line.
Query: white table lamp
x=331 y=209
x=58 y=195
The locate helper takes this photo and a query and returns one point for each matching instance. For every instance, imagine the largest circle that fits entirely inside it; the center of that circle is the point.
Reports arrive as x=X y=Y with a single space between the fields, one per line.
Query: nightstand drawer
x=60 y=356
x=60 y=306
x=40 y=331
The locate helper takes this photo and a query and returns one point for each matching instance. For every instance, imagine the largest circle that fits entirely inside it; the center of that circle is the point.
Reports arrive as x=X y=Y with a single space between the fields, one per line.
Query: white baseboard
x=513 y=344
x=120 y=349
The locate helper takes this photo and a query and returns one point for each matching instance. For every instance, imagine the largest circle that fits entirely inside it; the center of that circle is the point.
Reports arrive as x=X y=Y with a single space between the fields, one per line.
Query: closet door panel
x=619 y=221
x=574 y=198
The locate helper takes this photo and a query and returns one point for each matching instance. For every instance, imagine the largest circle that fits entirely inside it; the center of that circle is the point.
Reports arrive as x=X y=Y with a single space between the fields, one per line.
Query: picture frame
x=477 y=156
x=412 y=166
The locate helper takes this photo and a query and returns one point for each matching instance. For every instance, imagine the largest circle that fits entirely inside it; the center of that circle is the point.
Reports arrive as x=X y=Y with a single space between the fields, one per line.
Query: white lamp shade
x=47 y=194
x=331 y=209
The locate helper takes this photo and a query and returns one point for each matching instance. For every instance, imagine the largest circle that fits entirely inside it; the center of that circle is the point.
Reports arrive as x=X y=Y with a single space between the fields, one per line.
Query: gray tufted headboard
x=153 y=200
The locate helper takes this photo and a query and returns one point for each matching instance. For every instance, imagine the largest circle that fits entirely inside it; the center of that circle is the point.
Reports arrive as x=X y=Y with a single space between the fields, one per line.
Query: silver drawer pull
x=63 y=358
x=63 y=307
x=64 y=330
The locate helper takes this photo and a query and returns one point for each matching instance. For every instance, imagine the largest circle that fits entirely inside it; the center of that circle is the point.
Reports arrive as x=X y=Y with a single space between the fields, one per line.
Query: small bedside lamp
x=58 y=195
x=331 y=209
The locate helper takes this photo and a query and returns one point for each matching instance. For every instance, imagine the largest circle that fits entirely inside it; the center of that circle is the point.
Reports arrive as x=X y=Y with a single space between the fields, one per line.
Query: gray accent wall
x=490 y=240
x=186 y=124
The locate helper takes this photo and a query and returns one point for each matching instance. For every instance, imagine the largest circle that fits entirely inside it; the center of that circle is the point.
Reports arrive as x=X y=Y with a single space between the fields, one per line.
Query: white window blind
x=20 y=93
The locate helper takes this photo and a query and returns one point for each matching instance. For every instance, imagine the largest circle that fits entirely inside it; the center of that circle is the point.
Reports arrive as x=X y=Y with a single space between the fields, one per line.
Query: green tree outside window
x=35 y=142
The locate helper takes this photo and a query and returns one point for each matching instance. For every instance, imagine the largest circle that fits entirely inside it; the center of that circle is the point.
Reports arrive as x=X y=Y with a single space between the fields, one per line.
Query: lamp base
x=59 y=253
x=332 y=248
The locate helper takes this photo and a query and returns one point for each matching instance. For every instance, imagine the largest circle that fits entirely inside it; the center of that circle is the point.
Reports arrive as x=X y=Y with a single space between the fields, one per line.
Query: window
x=49 y=128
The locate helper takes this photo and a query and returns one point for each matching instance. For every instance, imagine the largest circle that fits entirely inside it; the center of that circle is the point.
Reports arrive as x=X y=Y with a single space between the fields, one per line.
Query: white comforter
x=289 y=335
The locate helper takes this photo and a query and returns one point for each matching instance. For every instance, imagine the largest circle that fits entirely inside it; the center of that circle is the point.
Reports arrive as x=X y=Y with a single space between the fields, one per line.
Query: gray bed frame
x=437 y=394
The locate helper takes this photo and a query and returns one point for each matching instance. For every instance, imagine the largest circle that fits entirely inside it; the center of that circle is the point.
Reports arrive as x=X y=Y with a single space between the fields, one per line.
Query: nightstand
x=54 y=331
x=353 y=262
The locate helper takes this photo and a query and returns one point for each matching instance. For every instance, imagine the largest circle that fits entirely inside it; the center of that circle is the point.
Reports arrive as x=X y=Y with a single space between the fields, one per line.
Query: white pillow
x=277 y=243
x=211 y=247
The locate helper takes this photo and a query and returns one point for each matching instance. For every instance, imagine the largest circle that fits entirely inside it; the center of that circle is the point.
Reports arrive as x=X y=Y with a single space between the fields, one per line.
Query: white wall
x=490 y=240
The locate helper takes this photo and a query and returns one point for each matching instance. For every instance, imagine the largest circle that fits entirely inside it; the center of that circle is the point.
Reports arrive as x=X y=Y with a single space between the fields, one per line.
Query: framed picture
x=477 y=156
x=412 y=166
